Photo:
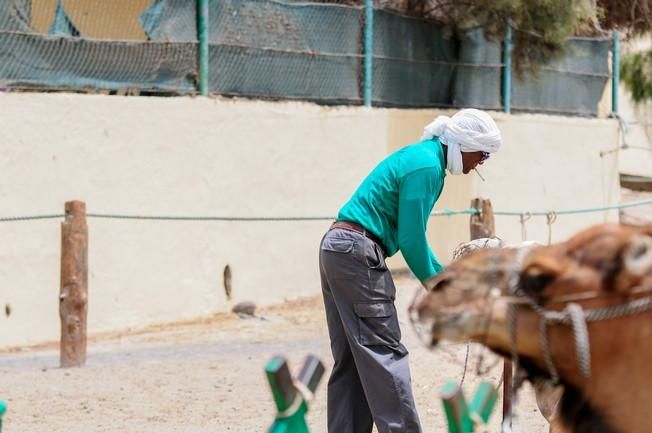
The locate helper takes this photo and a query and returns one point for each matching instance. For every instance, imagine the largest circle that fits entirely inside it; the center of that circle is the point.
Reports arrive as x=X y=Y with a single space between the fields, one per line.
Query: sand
x=207 y=376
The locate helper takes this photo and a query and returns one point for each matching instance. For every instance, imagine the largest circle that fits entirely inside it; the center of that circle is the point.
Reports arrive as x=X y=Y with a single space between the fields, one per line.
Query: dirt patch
x=207 y=376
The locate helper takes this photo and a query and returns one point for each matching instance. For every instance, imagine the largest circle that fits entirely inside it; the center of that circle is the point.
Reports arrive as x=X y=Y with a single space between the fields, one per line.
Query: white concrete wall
x=551 y=163
x=184 y=156
x=636 y=158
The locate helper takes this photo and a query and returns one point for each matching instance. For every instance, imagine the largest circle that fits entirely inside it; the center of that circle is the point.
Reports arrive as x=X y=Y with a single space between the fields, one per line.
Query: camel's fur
x=610 y=259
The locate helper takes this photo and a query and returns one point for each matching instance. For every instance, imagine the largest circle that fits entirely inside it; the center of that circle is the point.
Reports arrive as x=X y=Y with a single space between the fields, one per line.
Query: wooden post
x=483 y=226
x=73 y=295
x=507 y=389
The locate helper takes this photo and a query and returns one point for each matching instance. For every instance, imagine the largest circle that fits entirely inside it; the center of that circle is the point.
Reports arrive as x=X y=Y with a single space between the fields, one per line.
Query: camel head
x=470 y=299
x=500 y=297
x=457 y=305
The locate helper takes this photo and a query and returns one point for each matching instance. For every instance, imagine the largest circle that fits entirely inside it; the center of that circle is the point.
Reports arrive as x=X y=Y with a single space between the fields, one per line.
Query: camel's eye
x=533 y=281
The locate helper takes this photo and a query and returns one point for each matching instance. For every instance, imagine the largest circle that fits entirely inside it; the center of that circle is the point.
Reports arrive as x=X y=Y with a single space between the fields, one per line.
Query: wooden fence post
x=483 y=226
x=73 y=295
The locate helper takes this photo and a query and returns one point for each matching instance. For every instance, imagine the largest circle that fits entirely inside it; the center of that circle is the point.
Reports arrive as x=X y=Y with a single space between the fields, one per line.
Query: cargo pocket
x=378 y=324
x=337 y=245
x=375 y=257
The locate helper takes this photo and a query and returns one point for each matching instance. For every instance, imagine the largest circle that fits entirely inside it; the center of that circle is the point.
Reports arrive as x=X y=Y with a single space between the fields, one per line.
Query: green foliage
x=636 y=74
x=540 y=28
x=630 y=16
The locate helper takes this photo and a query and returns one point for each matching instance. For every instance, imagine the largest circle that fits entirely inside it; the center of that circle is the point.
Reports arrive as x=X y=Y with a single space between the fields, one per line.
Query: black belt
x=355 y=227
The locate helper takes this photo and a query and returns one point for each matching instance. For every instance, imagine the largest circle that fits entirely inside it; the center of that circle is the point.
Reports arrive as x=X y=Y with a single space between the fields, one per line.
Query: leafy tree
x=636 y=73
x=630 y=16
x=635 y=19
x=540 y=27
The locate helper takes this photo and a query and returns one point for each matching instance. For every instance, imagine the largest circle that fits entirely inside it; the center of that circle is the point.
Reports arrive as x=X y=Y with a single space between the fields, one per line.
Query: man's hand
x=430 y=283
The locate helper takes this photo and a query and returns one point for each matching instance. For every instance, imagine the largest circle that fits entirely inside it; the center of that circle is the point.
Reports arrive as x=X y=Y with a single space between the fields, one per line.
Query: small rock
x=245 y=308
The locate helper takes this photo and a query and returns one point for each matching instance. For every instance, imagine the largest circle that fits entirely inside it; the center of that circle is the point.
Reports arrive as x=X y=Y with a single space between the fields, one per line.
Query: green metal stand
x=463 y=418
x=202 y=36
x=3 y=409
x=507 y=70
x=292 y=395
x=615 y=73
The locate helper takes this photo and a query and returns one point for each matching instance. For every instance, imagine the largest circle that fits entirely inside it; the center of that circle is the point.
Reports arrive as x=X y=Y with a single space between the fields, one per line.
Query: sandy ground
x=208 y=377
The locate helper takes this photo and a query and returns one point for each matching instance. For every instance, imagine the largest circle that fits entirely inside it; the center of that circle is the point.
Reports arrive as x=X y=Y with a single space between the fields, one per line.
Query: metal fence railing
x=282 y=49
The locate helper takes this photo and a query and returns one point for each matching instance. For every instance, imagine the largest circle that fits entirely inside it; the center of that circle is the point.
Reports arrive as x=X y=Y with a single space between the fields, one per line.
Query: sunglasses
x=485 y=156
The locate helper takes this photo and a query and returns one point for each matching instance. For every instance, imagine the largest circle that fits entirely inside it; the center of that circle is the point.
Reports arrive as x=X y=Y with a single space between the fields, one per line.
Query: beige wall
x=101 y=19
x=197 y=156
x=546 y=163
x=551 y=162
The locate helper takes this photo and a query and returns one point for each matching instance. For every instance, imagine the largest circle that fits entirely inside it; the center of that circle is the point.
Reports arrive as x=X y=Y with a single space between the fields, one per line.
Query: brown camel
x=593 y=297
x=547 y=395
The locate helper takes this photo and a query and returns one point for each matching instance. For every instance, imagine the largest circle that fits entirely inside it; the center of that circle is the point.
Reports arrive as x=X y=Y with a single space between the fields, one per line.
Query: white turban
x=469 y=130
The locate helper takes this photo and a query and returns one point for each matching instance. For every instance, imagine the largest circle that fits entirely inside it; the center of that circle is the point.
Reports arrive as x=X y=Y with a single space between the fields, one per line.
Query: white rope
x=524 y=217
x=551 y=217
x=581 y=334
x=303 y=394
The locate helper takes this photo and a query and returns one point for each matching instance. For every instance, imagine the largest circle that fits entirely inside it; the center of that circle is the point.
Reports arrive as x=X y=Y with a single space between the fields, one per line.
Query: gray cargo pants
x=370 y=381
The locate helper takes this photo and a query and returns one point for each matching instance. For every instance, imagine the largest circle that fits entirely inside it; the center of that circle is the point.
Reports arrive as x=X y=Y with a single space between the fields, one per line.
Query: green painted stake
x=3 y=409
x=483 y=401
x=462 y=418
x=457 y=412
x=292 y=404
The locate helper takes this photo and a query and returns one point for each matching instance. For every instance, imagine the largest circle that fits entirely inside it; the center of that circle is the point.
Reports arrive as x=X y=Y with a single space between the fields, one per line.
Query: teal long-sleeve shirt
x=395 y=200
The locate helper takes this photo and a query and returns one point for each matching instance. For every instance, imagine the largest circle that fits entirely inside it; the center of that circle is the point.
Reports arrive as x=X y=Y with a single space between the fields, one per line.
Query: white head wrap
x=469 y=130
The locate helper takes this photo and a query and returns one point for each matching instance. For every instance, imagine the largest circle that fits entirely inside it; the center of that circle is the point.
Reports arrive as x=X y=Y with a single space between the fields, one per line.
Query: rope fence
x=73 y=295
x=437 y=213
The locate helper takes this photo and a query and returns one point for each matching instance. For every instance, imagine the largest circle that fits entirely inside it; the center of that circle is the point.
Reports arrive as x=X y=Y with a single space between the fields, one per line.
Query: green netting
x=15 y=15
x=284 y=50
x=170 y=21
x=281 y=49
x=413 y=64
x=62 y=24
x=573 y=84
x=66 y=57
x=30 y=60
x=479 y=72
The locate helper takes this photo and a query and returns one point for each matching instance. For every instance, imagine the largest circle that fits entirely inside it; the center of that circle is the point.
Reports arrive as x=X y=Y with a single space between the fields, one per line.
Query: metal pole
x=507 y=70
x=202 y=30
x=368 y=51
x=615 y=73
